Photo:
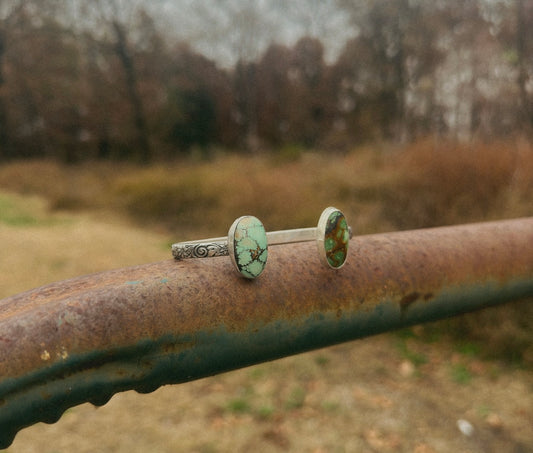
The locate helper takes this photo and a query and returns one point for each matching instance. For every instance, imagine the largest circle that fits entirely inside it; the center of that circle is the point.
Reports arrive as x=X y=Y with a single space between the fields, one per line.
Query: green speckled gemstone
x=250 y=246
x=336 y=239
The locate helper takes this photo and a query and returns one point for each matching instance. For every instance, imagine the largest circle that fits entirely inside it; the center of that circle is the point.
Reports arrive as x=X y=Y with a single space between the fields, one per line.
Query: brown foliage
x=446 y=183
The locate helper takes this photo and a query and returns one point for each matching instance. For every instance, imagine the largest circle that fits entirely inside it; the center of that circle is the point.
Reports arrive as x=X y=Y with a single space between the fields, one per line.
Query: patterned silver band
x=207 y=248
x=203 y=249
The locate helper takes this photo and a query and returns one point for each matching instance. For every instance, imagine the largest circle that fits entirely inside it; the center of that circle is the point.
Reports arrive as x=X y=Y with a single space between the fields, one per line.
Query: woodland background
x=138 y=80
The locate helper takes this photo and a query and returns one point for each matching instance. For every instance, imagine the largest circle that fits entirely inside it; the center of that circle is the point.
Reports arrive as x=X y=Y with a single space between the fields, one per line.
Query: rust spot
x=407 y=300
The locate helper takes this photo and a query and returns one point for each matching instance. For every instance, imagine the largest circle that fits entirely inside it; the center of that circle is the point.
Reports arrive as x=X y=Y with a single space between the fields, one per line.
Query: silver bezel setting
x=321 y=235
x=231 y=243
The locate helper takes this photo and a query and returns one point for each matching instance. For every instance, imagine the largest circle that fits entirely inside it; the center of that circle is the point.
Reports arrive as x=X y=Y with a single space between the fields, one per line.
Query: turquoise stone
x=336 y=239
x=250 y=246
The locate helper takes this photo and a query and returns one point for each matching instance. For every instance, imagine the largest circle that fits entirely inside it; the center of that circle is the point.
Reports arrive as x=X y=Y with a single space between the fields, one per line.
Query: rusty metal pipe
x=139 y=328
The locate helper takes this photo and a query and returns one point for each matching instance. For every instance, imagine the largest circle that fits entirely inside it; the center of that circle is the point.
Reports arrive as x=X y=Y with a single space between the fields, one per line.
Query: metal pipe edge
x=85 y=339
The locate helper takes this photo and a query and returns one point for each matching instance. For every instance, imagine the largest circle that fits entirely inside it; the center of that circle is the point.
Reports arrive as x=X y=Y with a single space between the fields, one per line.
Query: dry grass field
x=407 y=391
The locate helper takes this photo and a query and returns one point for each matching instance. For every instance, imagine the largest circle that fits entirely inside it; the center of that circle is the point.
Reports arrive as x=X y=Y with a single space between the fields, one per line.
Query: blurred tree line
x=100 y=79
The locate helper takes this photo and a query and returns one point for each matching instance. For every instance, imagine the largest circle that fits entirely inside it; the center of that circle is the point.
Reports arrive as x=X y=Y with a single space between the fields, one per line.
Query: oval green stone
x=336 y=239
x=250 y=247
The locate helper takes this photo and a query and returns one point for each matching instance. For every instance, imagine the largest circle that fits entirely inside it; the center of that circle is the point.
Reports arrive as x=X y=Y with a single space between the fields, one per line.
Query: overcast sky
x=226 y=29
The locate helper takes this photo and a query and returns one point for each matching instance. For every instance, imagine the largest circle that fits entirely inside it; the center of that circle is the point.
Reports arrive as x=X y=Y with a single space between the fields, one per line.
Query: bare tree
x=4 y=137
x=19 y=19
x=524 y=23
x=400 y=49
x=240 y=31
x=116 y=17
x=8 y=13
x=382 y=25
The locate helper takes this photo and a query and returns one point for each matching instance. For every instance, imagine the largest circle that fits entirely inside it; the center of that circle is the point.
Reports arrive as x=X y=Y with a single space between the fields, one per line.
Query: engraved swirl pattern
x=203 y=250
